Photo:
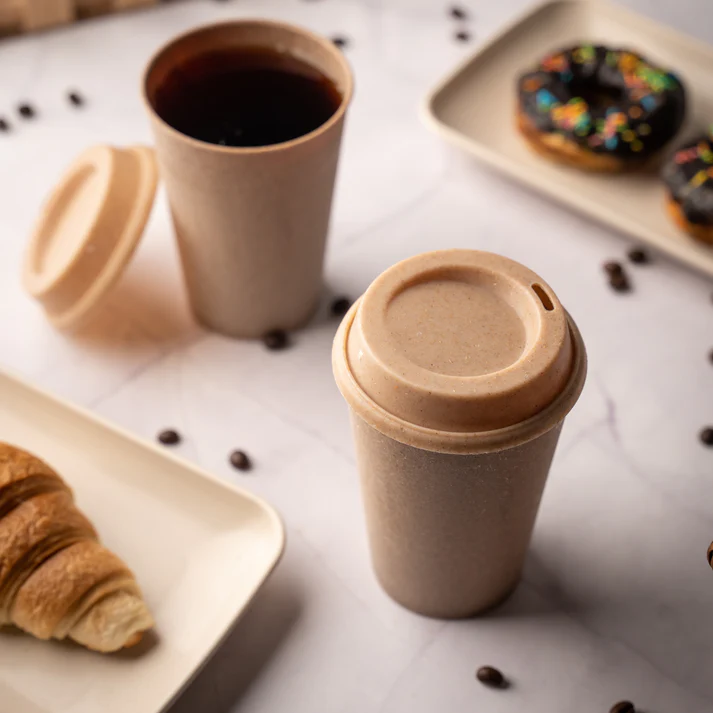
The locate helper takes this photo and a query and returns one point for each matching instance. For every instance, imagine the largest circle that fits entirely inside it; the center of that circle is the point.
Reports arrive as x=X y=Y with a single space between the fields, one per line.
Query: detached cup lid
x=88 y=230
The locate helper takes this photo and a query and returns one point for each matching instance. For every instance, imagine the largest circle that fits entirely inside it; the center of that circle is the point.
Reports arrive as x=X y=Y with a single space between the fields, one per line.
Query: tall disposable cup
x=459 y=368
x=251 y=222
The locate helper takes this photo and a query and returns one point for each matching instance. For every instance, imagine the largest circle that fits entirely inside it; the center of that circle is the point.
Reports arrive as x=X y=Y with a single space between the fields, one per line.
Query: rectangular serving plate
x=200 y=549
x=475 y=107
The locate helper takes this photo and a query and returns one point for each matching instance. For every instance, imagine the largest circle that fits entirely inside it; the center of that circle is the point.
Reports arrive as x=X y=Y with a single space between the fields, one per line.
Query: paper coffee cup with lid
x=459 y=368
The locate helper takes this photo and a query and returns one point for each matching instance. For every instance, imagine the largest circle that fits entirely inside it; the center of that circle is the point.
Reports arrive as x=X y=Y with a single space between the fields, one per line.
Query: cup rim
x=456 y=442
x=252 y=150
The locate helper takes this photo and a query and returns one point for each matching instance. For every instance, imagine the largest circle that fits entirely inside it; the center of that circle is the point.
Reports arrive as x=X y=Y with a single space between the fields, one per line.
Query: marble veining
x=615 y=602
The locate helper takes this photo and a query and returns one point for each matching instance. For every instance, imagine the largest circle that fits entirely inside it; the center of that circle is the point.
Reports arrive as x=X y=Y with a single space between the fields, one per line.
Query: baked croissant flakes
x=56 y=580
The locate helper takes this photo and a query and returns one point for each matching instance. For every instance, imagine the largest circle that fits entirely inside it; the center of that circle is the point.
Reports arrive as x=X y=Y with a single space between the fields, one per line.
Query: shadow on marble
x=139 y=308
x=246 y=652
x=656 y=613
x=520 y=603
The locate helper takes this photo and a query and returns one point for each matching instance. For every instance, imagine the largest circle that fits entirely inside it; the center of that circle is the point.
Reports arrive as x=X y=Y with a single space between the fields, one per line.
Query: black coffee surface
x=246 y=97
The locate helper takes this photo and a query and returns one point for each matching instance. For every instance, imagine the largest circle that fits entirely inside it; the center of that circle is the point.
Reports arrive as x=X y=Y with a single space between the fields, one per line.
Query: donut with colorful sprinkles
x=599 y=108
x=688 y=175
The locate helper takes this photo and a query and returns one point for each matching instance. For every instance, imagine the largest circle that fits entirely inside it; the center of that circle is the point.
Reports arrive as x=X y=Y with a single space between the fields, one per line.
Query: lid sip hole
x=544 y=297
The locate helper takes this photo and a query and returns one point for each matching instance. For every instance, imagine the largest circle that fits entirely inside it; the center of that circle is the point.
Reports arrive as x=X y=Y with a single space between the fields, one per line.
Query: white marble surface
x=616 y=598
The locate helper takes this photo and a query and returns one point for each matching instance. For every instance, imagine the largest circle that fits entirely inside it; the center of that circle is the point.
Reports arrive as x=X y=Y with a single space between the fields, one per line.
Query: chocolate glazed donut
x=688 y=175
x=599 y=108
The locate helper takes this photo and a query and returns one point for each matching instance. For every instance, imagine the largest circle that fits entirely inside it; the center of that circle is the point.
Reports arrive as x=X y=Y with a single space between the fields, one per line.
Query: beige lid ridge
x=88 y=230
x=458 y=342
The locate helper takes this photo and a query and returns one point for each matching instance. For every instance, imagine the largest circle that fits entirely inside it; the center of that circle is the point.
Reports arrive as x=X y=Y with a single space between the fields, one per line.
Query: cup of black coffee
x=247 y=117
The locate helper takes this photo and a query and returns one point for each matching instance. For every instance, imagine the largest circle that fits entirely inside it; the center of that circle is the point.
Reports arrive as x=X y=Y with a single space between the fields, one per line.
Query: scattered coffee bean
x=619 y=282
x=341 y=42
x=490 y=677
x=710 y=355
x=276 y=339
x=26 y=111
x=240 y=460
x=611 y=267
x=458 y=13
x=710 y=554
x=340 y=306
x=169 y=437
x=75 y=98
x=623 y=707
x=706 y=436
x=463 y=36
x=638 y=256
x=4 y=125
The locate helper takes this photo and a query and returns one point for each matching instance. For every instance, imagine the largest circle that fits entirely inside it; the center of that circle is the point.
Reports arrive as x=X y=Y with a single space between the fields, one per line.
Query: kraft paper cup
x=251 y=222
x=459 y=368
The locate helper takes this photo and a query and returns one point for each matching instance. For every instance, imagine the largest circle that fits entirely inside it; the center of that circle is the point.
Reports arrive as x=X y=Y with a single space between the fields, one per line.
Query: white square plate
x=475 y=108
x=200 y=550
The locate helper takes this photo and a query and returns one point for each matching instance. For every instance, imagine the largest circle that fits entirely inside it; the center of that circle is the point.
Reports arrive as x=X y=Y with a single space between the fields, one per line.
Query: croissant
x=57 y=581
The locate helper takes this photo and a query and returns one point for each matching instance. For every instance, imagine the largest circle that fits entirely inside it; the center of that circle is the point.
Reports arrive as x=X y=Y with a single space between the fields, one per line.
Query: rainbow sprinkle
x=686 y=155
x=704 y=151
x=555 y=63
x=573 y=116
x=635 y=112
x=545 y=100
x=699 y=179
x=584 y=54
x=532 y=84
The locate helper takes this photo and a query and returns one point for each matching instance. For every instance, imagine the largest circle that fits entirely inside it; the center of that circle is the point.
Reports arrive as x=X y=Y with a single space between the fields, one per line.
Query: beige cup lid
x=88 y=230
x=456 y=341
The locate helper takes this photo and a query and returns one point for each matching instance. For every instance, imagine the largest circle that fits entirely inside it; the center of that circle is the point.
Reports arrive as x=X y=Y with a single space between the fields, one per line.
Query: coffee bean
x=611 y=267
x=710 y=554
x=623 y=707
x=619 y=282
x=341 y=42
x=240 y=460
x=340 y=306
x=710 y=355
x=75 y=98
x=4 y=125
x=458 y=13
x=638 y=256
x=276 y=339
x=490 y=677
x=169 y=437
x=706 y=436
x=462 y=36
x=26 y=111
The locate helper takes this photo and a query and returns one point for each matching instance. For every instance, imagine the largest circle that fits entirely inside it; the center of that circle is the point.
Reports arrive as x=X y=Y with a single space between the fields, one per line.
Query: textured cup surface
x=251 y=222
x=459 y=368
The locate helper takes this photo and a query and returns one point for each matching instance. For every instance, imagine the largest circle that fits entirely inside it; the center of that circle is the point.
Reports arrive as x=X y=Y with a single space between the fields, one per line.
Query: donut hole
x=597 y=94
